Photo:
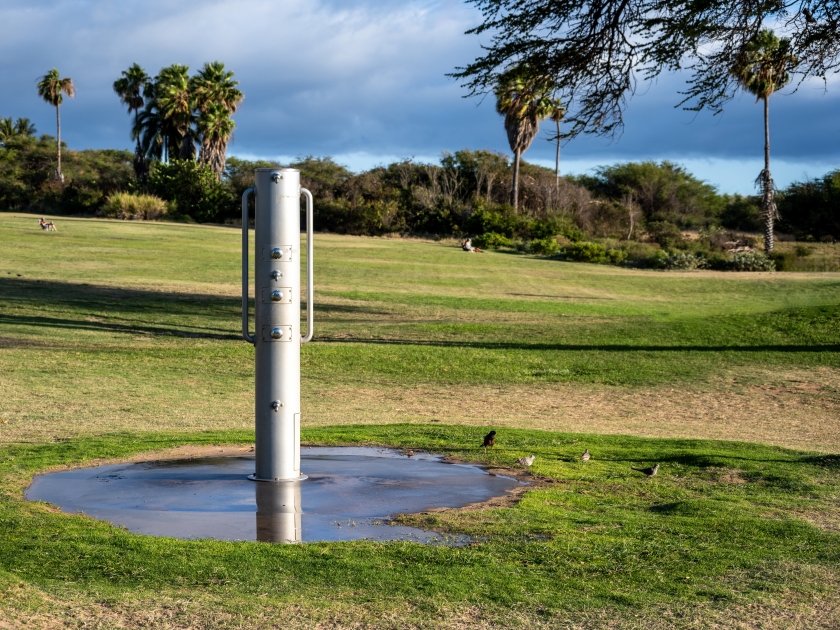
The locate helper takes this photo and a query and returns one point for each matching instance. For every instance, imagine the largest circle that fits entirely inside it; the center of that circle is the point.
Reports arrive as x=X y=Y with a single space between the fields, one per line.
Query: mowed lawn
x=109 y=326
x=122 y=338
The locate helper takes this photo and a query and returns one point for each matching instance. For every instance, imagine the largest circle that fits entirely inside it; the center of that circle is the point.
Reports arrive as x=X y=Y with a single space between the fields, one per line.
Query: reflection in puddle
x=279 y=511
x=350 y=494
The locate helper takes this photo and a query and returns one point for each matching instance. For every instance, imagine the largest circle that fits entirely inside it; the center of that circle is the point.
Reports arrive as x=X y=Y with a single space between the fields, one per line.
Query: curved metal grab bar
x=310 y=291
x=248 y=337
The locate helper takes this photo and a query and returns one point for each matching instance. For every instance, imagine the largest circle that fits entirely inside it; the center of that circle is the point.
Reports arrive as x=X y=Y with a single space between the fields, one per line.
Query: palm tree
x=761 y=69
x=7 y=129
x=24 y=127
x=52 y=88
x=21 y=128
x=557 y=114
x=214 y=84
x=215 y=127
x=175 y=105
x=216 y=98
x=523 y=101
x=130 y=88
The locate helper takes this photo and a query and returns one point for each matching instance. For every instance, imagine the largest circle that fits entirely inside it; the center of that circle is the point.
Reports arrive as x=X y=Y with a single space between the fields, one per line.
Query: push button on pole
x=276 y=295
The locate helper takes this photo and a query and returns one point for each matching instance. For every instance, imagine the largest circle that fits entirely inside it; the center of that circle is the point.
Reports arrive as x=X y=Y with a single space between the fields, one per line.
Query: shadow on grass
x=120 y=310
x=587 y=347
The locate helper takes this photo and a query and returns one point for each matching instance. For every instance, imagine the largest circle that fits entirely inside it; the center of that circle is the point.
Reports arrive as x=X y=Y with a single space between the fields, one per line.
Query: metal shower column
x=277 y=338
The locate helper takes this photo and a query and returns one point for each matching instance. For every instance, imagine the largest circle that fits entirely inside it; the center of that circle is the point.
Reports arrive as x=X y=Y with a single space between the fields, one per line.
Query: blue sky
x=364 y=82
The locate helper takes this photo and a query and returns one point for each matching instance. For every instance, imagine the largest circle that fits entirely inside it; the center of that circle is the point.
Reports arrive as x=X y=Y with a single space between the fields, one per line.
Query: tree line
x=465 y=193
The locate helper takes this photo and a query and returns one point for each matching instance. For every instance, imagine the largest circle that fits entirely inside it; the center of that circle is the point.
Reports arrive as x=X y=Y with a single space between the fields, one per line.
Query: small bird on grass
x=489 y=440
x=526 y=461
x=585 y=457
x=650 y=472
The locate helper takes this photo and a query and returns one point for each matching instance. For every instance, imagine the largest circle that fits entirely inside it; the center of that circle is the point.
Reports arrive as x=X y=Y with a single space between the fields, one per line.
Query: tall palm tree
x=557 y=114
x=216 y=99
x=214 y=84
x=175 y=104
x=52 y=89
x=523 y=100
x=215 y=127
x=130 y=88
x=763 y=68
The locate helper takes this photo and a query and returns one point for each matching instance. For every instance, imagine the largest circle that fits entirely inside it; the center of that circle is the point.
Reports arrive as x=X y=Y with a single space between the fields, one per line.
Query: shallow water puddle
x=350 y=494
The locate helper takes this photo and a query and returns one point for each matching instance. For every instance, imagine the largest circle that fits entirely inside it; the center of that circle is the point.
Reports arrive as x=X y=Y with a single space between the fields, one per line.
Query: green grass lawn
x=118 y=338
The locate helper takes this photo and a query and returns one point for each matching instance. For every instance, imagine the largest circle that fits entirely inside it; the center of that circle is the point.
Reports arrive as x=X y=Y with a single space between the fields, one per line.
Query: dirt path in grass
x=796 y=409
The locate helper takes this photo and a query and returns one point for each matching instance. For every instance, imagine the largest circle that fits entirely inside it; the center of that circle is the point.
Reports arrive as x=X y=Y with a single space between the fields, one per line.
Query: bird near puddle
x=526 y=461
x=489 y=440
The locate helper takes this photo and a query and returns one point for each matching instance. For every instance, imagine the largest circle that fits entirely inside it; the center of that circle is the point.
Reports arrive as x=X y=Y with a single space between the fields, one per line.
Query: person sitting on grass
x=47 y=225
x=467 y=246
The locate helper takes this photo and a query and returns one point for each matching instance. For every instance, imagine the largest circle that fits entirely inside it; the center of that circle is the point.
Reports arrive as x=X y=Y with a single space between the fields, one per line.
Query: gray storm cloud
x=350 y=77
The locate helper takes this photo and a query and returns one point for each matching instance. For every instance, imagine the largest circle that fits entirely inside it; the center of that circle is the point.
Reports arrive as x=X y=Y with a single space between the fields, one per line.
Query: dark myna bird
x=809 y=17
x=650 y=472
x=489 y=440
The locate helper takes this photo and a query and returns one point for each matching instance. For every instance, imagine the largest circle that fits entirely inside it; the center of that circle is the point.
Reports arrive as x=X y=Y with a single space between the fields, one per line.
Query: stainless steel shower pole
x=277 y=338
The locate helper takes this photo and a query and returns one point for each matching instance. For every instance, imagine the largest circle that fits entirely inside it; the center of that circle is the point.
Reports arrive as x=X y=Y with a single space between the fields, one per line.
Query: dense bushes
x=637 y=214
x=585 y=251
x=811 y=210
x=193 y=191
x=25 y=184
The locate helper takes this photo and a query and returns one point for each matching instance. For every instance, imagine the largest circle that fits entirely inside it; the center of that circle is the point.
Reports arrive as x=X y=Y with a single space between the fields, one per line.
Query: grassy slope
x=131 y=327
x=117 y=325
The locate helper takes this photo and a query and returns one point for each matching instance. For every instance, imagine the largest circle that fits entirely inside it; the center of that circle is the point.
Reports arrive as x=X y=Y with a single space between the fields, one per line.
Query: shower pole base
x=255 y=478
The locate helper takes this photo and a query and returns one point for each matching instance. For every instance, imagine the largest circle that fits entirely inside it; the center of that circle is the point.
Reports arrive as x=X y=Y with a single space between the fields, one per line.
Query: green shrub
x=678 y=261
x=503 y=222
x=586 y=251
x=717 y=261
x=543 y=246
x=132 y=206
x=751 y=261
x=782 y=261
x=665 y=233
x=803 y=250
x=194 y=190
x=492 y=240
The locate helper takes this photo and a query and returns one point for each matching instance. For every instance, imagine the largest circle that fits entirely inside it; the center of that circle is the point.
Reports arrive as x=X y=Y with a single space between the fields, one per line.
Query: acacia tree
x=761 y=69
x=52 y=89
x=523 y=100
x=130 y=89
x=597 y=51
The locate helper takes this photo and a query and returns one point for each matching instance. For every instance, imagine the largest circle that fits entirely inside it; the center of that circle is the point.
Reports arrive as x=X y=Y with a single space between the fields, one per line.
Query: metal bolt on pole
x=277 y=338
